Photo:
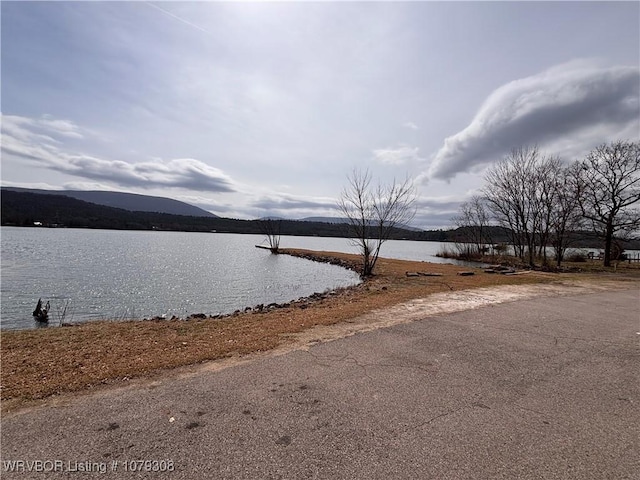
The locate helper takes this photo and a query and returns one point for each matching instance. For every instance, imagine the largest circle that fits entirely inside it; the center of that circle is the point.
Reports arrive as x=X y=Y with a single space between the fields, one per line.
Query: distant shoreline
x=23 y=208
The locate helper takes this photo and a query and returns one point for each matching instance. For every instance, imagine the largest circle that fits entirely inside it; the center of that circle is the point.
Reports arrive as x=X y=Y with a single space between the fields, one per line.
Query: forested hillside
x=127 y=201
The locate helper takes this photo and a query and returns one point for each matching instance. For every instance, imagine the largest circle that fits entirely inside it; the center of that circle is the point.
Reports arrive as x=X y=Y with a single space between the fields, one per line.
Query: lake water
x=108 y=274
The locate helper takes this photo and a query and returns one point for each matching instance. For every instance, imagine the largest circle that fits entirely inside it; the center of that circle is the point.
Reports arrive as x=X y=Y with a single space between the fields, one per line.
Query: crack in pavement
x=555 y=337
x=437 y=417
x=365 y=366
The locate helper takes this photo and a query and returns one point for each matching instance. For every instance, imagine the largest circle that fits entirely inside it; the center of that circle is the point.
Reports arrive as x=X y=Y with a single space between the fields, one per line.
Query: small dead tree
x=473 y=226
x=271 y=228
x=372 y=213
x=609 y=190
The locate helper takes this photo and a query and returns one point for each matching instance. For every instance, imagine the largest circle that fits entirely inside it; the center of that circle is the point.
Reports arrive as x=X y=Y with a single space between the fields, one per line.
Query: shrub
x=577 y=257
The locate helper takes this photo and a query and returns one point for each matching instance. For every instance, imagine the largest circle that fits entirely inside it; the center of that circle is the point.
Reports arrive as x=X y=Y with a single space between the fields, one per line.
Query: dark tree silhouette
x=608 y=189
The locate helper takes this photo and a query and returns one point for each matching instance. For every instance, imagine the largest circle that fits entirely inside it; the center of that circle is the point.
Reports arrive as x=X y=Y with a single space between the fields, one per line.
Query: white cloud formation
x=33 y=185
x=88 y=186
x=439 y=204
x=546 y=109
x=65 y=128
x=284 y=202
x=24 y=129
x=24 y=137
x=397 y=156
x=411 y=125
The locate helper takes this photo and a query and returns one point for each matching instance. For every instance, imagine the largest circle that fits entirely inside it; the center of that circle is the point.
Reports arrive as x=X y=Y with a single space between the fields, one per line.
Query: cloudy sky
x=253 y=109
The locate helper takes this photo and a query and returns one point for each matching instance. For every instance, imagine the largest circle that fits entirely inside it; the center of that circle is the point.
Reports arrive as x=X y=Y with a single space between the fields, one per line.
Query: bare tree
x=565 y=216
x=270 y=228
x=374 y=212
x=608 y=188
x=473 y=226
x=512 y=193
x=546 y=176
x=534 y=198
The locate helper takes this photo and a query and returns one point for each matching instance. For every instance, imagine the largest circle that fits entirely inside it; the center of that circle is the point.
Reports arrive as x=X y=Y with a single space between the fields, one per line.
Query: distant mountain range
x=346 y=220
x=126 y=201
x=325 y=219
x=333 y=220
x=134 y=202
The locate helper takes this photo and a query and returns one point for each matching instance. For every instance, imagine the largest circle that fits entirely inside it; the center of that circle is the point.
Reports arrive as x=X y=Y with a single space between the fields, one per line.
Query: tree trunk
x=608 y=241
x=366 y=258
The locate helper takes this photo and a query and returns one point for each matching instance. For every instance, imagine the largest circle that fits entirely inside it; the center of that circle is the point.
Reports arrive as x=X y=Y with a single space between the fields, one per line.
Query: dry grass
x=43 y=362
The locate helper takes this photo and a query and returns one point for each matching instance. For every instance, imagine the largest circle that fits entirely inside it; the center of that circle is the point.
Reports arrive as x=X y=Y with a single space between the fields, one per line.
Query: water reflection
x=134 y=275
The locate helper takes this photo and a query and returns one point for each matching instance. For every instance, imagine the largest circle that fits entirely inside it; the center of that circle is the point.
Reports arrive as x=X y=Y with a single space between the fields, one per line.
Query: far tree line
x=541 y=201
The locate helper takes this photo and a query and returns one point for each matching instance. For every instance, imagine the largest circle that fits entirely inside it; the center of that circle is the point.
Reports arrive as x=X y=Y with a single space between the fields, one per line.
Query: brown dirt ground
x=44 y=363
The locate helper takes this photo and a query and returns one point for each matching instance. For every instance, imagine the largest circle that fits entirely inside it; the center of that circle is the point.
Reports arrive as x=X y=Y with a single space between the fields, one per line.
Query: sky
x=254 y=109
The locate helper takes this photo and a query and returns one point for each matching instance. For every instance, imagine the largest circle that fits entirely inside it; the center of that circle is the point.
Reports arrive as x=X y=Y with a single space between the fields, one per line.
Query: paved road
x=544 y=388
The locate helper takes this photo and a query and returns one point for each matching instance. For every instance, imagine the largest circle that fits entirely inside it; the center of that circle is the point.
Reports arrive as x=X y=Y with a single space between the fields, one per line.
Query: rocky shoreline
x=301 y=303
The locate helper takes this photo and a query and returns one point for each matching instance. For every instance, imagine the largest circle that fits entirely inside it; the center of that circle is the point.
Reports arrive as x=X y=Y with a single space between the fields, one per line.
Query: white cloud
x=411 y=125
x=93 y=186
x=546 y=109
x=285 y=202
x=43 y=129
x=32 y=185
x=20 y=138
x=65 y=128
x=397 y=156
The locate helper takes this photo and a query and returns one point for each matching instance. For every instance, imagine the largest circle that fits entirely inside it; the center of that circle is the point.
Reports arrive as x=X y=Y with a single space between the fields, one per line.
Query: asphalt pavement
x=547 y=388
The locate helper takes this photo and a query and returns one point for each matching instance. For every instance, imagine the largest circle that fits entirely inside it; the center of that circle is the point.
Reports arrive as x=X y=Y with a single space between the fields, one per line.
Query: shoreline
x=256 y=308
x=41 y=364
